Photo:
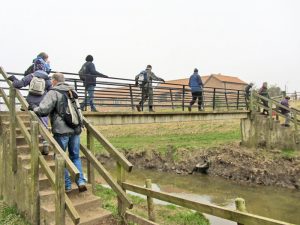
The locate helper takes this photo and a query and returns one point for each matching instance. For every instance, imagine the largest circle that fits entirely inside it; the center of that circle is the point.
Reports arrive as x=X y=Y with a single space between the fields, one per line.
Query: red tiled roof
x=229 y=79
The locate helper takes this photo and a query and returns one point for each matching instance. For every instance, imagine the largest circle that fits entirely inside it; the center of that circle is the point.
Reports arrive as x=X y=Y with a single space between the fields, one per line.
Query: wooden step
x=25 y=149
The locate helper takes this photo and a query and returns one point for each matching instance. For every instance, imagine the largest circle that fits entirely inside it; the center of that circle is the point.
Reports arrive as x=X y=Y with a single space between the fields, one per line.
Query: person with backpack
x=88 y=75
x=61 y=103
x=39 y=63
x=285 y=112
x=144 y=81
x=39 y=84
x=263 y=91
x=196 y=86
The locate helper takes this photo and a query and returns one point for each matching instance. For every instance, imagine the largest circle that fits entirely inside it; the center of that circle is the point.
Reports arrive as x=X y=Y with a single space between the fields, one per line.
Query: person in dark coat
x=285 y=112
x=264 y=92
x=196 y=86
x=146 y=87
x=90 y=74
x=35 y=99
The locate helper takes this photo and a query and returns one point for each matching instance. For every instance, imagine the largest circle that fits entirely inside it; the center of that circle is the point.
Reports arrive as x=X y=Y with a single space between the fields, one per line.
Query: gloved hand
x=163 y=81
x=31 y=107
x=12 y=78
x=105 y=76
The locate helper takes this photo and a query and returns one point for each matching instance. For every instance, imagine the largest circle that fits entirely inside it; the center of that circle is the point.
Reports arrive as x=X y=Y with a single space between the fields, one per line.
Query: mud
x=241 y=165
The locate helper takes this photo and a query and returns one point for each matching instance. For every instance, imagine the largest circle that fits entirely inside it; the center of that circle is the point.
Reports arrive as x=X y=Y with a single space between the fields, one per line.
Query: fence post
x=90 y=169
x=75 y=85
x=120 y=180
x=240 y=206
x=238 y=100
x=214 y=99
x=270 y=114
x=226 y=99
x=183 y=96
x=35 y=197
x=295 y=120
x=131 y=97
x=85 y=97
x=171 y=96
x=150 y=203
x=12 y=127
x=60 y=204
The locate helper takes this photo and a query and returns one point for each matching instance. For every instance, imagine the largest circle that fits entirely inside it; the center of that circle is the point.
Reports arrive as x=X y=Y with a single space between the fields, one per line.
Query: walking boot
x=138 y=108
x=151 y=109
x=190 y=108
x=45 y=149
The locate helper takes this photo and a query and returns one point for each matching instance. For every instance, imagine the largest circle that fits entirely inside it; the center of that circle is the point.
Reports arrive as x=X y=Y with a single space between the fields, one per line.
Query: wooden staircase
x=86 y=203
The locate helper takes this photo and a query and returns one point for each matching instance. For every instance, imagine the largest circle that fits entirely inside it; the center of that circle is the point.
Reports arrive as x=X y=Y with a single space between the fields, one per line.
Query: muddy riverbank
x=233 y=162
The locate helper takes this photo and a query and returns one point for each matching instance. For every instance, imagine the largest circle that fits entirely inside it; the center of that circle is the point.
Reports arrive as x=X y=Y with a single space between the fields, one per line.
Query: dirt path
x=250 y=166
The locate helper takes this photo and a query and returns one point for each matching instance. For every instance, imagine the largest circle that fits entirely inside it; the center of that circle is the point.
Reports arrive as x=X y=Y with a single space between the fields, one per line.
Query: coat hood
x=63 y=87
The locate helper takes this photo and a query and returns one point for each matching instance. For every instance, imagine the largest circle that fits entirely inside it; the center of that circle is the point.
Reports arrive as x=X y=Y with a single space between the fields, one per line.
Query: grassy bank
x=161 y=137
x=10 y=216
x=165 y=215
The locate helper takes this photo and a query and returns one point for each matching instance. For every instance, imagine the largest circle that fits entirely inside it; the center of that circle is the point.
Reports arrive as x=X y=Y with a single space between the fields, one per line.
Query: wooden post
x=35 y=197
x=183 y=96
x=270 y=114
x=151 y=214
x=131 y=97
x=295 y=119
x=240 y=206
x=120 y=180
x=171 y=96
x=214 y=99
x=60 y=204
x=12 y=127
x=226 y=99
x=90 y=169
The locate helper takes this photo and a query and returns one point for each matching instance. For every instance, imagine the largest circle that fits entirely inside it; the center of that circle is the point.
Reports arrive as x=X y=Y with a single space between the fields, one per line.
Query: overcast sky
x=255 y=40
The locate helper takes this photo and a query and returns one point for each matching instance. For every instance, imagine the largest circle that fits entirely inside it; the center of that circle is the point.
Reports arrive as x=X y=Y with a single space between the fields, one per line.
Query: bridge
x=35 y=183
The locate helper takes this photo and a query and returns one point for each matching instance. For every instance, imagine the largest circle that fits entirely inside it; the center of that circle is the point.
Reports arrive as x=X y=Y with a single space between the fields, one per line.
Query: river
x=277 y=203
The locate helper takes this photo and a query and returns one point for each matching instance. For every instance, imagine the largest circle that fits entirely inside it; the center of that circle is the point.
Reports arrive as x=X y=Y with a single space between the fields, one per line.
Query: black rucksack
x=29 y=70
x=142 y=78
x=83 y=71
x=71 y=113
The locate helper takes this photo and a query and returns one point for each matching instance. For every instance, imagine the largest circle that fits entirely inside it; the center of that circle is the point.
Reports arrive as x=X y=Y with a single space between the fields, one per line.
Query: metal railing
x=118 y=93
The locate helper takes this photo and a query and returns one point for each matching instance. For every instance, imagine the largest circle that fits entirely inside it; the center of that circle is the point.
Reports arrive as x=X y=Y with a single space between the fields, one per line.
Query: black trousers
x=195 y=95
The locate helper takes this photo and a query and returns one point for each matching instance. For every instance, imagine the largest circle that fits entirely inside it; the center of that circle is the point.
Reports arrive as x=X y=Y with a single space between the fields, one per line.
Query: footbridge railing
x=121 y=94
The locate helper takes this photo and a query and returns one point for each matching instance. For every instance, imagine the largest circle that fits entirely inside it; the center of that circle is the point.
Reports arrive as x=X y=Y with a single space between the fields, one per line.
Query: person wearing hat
x=263 y=91
x=89 y=73
x=285 y=112
x=196 y=86
x=146 y=87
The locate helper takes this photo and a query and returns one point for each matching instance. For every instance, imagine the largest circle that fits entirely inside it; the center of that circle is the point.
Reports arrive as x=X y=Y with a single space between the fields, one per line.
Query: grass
x=289 y=153
x=10 y=216
x=165 y=215
x=162 y=137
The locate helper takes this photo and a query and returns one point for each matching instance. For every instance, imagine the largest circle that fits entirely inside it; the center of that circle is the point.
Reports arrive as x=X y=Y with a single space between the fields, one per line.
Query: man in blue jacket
x=196 y=86
x=89 y=74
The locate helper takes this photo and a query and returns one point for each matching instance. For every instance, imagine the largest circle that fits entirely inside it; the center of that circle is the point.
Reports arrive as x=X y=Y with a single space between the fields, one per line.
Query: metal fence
x=119 y=94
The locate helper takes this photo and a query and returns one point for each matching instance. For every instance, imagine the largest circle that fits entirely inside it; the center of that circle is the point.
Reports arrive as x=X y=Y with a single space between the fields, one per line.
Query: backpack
x=29 y=70
x=82 y=72
x=37 y=86
x=71 y=113
x=142 y=78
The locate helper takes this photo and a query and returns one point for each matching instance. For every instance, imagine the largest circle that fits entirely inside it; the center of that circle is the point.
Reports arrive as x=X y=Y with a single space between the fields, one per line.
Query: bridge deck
x=113 y=118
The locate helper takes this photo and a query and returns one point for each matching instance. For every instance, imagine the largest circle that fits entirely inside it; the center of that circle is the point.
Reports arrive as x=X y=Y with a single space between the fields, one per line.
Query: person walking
x=144 y=81
x=248 y=93
x=286 y=112
x=66 y=137
x=41 y=62
x=196 y=86
x=264 y=92
x=88 y=75
x=39 y=84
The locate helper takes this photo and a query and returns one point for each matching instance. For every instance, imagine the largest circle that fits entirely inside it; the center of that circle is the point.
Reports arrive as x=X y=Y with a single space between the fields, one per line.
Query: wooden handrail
x=108 y=146
x=237 y=216
x=107 y=177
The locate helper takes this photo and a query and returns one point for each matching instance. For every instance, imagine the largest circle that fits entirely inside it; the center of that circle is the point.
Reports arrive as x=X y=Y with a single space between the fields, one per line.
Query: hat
x=287 y=97
x=149 y=67
x=89 y=58
x=195 y=70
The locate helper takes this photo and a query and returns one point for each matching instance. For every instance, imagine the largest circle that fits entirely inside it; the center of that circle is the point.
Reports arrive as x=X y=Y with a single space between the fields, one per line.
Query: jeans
x=89 y=99
x=72 y=142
